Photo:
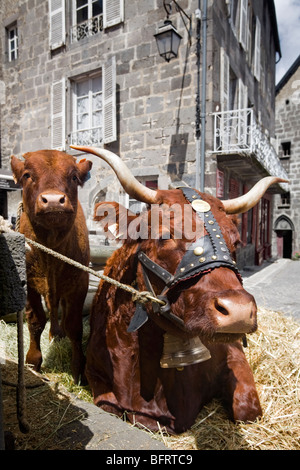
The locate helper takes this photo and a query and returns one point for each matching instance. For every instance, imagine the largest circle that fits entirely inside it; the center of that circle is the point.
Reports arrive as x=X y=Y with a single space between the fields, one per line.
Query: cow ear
x=84 y=167
x=17 y=167
x=114 y=218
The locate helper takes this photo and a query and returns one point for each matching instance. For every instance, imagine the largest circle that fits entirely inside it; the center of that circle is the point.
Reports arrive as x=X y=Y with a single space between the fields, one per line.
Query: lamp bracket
x=168 y=9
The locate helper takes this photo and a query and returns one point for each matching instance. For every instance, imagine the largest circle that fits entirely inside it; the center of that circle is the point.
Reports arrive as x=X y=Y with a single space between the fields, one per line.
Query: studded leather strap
x=205 y=253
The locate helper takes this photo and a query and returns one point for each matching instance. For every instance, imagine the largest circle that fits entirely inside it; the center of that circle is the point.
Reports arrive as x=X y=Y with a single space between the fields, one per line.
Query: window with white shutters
x=58 y=116
x=243 y=23
x=256 y=65
x=57 y=29
x=94 y=107
x=113 y=12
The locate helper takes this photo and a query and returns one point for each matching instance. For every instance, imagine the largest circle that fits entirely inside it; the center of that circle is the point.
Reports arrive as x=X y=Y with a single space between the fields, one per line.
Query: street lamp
x=167 y=37
x=168 y=40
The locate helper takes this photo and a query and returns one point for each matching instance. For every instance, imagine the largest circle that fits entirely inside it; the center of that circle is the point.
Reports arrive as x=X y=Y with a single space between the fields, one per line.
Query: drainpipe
x=203 y=104
x=197 y=127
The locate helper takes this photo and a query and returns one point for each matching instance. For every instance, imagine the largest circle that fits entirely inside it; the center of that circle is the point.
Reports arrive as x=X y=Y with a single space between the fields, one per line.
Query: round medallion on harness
x=200 y=206
x=199 y=250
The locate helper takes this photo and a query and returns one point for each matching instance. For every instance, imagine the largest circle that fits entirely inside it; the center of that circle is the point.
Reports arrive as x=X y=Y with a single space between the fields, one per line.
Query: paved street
x=276 y=286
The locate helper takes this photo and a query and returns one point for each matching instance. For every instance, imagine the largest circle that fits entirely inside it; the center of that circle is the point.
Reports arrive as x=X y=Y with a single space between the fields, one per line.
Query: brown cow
x=163 y=364
x=53 y=216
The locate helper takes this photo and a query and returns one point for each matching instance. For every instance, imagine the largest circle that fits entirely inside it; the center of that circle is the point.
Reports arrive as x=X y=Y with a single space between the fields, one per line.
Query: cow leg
x=240 y=391
x=72 y=325
x=36 y=321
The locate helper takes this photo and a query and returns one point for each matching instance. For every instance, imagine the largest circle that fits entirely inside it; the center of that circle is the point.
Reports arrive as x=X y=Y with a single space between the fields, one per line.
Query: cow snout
x=53 y=201
x=235 y=313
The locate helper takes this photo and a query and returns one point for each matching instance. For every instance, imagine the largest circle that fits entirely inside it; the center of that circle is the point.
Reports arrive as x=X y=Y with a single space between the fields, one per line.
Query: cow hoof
x=35 y=360
x=56 y=334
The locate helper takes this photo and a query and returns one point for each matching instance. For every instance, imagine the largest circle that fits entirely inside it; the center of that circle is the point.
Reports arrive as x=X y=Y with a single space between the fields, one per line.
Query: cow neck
x=51 y=238
x=214 y=253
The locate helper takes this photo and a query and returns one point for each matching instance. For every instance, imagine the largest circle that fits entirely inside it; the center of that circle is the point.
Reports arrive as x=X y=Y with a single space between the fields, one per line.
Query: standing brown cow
x=53 y=216
x=163 y=363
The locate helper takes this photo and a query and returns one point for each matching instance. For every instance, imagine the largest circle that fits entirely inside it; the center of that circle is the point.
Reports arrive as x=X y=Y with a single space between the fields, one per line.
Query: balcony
x=237 y=132
x=87 y=28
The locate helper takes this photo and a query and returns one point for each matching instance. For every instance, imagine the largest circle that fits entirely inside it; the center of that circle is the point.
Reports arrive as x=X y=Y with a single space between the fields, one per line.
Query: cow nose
x=53 y=201
x=235 y=313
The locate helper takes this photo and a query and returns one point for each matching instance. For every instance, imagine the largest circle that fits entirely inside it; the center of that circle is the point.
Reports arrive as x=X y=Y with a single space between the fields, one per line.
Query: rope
x=141 y=297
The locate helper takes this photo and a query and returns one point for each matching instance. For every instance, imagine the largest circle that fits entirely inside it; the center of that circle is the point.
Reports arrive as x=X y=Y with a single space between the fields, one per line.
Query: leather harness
x=206 y=253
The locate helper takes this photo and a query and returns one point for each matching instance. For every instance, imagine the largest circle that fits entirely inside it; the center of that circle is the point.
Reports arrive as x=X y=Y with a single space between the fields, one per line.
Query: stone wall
x=288 y=130
x=155 y=99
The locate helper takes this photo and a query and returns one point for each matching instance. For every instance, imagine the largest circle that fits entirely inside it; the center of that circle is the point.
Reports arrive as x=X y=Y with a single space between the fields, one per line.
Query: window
x=93 y=109
x=12 y=35
x=88 y=112
x=285 y=150
x=285 y=200
x=87 y=18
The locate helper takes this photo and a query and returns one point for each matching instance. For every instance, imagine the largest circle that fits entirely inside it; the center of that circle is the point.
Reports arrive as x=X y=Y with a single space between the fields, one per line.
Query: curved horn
x=130 y=184
x=250 y=199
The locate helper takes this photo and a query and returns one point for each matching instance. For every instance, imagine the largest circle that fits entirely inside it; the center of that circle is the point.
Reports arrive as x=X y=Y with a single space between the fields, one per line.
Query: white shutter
x=57 y=30
x=224 y=80
x=58 y=116
x=243 y=116
x=113 y=12
x=244 y=23
x=256 y=70
x=109 y=102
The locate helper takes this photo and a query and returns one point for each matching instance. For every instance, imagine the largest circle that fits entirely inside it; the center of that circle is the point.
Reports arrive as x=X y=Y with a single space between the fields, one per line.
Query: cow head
x=208 y=301
x=50 y=181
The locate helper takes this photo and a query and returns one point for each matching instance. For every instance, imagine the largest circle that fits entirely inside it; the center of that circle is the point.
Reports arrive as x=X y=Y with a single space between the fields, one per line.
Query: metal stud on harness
x=206 y=253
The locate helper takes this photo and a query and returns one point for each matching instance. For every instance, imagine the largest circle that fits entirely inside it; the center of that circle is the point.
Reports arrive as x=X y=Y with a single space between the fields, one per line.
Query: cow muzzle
x=234 y=313
x=53 y=202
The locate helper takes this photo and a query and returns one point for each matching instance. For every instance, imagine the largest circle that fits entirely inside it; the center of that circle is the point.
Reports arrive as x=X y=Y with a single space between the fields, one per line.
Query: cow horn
x=130 y=184
x=250 y=199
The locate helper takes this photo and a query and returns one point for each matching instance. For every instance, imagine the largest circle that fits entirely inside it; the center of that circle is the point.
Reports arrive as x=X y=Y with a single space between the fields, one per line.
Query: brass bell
x=179 y=352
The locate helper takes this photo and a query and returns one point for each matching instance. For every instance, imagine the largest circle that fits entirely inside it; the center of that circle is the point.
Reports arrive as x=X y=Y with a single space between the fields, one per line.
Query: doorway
x=284 y=230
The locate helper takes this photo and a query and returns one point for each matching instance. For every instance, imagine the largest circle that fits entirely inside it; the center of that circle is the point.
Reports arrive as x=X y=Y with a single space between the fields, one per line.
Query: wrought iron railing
x=87 y=28
x=90 y=136
x=237 y=132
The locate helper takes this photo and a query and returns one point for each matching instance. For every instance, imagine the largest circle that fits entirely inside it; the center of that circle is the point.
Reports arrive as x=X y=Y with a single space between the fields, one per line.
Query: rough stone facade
x=155 y=99
x=286 y=235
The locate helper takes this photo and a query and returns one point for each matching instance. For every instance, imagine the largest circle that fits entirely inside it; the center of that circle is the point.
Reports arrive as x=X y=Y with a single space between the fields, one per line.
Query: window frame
x=75 y=131
x=14 y=41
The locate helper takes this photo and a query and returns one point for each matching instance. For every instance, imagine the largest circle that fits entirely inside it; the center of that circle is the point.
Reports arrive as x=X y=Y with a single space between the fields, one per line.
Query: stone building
x=287 y=205
x=89 y=72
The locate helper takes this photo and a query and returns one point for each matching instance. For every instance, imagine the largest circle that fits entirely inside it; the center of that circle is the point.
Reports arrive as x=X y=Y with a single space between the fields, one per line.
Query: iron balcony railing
x=87 y=28
x=237 y=132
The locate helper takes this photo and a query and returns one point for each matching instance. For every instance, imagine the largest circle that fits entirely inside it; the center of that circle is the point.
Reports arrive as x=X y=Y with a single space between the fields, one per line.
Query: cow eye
x=26 y=175
x=75 y=178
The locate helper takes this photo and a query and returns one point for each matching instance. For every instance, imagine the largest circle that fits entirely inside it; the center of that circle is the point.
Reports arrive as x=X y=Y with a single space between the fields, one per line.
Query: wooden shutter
x=243 y=116
x=113 y=12
x=58 y=116
x=256 y=70
x=224 y=80
x=109 y=102
x=244 y=23
x=57 y=30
